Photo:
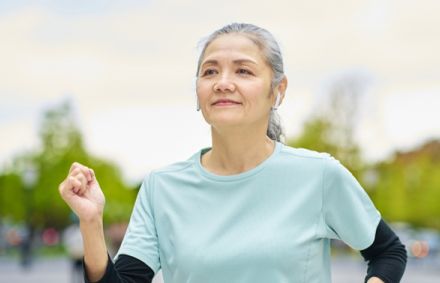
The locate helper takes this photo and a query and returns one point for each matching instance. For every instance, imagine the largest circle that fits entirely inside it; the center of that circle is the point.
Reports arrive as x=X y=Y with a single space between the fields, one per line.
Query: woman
x=248 y=209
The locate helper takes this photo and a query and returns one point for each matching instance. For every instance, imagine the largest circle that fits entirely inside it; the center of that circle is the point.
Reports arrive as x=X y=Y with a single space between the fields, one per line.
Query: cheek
x=202 y=90
x=260 y=95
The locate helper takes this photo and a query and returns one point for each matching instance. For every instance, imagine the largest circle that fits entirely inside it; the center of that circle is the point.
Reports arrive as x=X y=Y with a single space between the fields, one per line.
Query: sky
x=128 y=69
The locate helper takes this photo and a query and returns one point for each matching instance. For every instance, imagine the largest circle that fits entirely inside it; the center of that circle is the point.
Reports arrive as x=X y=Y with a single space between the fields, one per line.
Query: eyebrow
x=236 y=62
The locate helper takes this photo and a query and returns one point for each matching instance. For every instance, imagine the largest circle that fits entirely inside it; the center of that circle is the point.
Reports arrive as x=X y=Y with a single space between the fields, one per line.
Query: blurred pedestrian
x=26 y=247
x=73 y=244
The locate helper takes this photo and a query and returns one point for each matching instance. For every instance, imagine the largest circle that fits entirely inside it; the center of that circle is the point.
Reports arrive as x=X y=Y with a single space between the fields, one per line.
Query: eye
x=243 y=71
x=209 y=72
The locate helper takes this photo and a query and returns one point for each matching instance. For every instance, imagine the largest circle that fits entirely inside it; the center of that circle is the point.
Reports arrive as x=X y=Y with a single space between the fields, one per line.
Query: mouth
x=225 y=102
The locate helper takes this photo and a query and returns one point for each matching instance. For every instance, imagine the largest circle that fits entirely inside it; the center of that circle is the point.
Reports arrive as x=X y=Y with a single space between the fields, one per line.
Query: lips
x=225 y=102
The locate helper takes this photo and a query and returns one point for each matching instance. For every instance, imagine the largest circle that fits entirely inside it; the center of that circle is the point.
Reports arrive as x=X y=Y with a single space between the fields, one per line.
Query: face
x=234 y=83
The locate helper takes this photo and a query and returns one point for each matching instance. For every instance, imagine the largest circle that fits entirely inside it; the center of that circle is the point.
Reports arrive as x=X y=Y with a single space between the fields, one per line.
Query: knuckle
x=75 y=165
x=72 y=181
x=75 y=171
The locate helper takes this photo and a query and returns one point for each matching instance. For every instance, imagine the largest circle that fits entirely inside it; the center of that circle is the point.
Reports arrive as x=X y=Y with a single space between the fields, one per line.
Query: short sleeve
x=348 y=212
x=140 y=240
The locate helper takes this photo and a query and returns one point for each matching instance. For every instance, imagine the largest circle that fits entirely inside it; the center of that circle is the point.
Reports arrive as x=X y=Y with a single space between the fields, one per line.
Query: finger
x=79 y=167
x=62 y=186
x=92 y=175
x=73 y=185
x=86 y=171
x=74 y=166
x=75 y=171
x=83 y=183
x=89 y=175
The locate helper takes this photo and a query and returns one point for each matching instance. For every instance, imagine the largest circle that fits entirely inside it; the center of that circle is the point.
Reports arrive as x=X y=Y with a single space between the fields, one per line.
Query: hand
x=81 y=191
x=374 y=280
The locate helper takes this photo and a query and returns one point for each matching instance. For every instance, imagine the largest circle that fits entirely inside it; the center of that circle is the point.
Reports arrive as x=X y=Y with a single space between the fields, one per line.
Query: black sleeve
x=126 y=269
x=386 y=256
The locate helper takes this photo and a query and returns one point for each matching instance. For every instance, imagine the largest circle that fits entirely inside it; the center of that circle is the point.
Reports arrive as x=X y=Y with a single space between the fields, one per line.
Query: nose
x=224 y=84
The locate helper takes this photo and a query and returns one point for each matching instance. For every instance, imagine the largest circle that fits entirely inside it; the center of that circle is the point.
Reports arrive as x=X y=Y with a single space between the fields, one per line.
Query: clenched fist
x=81 y=191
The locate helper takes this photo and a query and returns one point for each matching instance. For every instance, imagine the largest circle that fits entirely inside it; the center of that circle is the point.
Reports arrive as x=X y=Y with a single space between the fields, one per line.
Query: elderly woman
x=246 y=209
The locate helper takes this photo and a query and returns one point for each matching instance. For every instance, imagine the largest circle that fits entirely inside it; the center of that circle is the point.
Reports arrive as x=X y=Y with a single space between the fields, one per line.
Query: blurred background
x=111 y=84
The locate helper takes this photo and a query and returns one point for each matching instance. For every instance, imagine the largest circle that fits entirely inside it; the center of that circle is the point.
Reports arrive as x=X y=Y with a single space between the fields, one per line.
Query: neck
x=237 y=150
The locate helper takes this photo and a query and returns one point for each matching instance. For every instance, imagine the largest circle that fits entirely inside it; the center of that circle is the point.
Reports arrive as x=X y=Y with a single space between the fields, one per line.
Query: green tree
x=61 y=145
x=11 y=186
x=408 y=186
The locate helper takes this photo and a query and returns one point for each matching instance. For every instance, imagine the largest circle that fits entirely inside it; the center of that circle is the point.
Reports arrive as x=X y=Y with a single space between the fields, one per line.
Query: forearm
x=95 y=249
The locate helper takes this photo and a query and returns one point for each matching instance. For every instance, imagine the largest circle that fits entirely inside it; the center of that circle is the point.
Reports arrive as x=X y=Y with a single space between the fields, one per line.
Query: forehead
x=233 y=46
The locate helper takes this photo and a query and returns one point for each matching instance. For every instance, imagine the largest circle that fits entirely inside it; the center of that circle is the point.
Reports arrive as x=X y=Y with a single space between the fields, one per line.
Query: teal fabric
x=272 y=223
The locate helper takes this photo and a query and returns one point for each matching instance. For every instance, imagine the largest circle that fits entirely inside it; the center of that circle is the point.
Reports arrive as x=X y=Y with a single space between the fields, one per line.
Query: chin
x=226 y=122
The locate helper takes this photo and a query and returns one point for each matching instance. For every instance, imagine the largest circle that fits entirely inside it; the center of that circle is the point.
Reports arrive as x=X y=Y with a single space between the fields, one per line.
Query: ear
x=281 y=90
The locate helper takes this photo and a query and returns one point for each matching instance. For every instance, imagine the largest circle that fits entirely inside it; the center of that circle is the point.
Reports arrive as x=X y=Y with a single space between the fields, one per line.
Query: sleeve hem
x=375 y=275
x=142 y=257
x=371 y=235
x=107 y=272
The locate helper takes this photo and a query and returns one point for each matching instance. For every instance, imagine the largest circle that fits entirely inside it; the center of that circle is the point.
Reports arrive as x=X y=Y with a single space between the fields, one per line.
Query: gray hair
x=272 y=54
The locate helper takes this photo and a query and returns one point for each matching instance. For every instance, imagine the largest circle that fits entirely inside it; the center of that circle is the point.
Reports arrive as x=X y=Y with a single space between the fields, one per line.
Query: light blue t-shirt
x=272 y=223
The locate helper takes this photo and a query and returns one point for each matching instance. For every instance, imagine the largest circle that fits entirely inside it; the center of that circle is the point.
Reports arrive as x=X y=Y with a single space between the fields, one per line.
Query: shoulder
x=171 y=174
x=307 y=159
x=178 y=168
x=173 y=168
x=305 y=154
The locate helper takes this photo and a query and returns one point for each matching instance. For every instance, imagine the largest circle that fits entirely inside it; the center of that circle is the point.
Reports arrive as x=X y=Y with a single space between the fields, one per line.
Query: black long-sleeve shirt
x=386 y=259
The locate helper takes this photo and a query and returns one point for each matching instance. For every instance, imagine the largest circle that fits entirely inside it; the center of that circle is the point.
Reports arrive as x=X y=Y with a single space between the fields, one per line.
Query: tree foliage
x=408 y=186
x=61 y=144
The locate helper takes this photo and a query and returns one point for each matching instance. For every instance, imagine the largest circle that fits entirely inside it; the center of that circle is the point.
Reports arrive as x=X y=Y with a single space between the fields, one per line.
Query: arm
x=81 y=191
x=95 y=249
x=386 y=256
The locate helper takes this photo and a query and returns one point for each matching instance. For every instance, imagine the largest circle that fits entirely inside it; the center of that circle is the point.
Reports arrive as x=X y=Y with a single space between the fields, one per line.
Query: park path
x=57 y=270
